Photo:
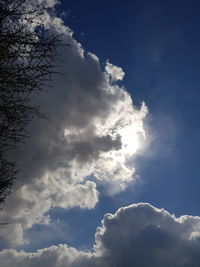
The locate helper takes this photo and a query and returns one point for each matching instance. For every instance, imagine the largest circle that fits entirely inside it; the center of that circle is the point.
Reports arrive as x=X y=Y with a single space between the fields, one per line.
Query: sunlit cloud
x=92 y=131
x=136 y=235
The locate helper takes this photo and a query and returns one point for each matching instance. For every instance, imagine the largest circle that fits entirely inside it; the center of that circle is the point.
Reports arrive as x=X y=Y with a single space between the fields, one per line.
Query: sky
x=157 y=45
x=111 y=178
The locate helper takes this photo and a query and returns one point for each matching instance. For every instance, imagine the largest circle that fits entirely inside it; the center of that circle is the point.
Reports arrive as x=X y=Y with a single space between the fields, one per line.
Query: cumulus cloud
x=142 y=235
x=115 y=73
x=91 y=132
x=54 y=256
x=137 y=235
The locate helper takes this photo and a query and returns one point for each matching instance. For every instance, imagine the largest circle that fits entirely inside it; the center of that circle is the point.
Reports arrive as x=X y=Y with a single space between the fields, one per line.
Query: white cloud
x=148 y=237
x=137 y=235
x=55 y=256
x=115 y=73
x=91 y=119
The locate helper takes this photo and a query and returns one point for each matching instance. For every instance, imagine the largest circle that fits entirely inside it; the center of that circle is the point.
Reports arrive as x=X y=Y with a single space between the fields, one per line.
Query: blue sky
x=156 y=43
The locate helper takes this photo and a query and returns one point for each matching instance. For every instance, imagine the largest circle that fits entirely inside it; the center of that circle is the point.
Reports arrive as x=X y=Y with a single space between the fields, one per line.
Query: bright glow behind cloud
x=92 y=132
x=130 y=139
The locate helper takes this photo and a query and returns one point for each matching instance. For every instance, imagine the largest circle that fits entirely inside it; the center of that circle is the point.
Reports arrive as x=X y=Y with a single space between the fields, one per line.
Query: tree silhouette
x=27 y=57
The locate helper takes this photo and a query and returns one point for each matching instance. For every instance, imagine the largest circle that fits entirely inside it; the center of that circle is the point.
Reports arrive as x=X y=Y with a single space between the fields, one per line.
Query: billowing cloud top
x=137 y=235
x=91 y=133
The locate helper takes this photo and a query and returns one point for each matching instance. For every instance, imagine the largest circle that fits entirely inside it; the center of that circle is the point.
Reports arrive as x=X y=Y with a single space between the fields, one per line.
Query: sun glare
x=130 y=139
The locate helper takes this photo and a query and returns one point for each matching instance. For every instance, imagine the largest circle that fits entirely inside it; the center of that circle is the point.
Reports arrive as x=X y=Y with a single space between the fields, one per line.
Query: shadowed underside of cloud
x=91 y=133
x=137 y=235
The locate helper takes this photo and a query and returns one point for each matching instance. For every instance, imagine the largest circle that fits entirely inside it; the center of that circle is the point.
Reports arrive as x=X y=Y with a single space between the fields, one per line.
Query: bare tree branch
x=27 y=59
